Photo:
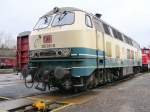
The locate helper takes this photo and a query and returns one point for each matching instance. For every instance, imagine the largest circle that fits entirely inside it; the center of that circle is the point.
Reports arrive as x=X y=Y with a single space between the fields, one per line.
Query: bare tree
x=1 y=40
x=6 y=40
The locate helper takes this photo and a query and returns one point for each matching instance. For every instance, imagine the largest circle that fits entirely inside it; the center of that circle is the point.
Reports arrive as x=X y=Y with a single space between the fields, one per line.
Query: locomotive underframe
x=61 y=77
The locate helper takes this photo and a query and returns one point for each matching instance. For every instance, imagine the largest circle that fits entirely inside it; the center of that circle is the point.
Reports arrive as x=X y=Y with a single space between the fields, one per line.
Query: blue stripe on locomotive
x=82 y=63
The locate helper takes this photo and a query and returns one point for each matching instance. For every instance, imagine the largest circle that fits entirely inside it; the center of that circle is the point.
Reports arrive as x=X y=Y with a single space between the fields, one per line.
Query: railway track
x=50 y=102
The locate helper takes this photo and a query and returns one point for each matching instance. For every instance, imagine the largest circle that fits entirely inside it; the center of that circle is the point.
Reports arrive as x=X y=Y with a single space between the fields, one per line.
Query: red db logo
x=47 y=39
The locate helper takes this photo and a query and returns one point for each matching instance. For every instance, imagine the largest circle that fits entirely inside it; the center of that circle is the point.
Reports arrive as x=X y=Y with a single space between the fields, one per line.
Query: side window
x=128 y=53
x=131 y=42
x=108 y=49
x=88 y=21
x=128 y=40
x=106 y=28
x=132 y=54
x=117 y=49
x=111 y=32
x=136 y=55
x=123 y=52
x=117 y=34
x=114 y=33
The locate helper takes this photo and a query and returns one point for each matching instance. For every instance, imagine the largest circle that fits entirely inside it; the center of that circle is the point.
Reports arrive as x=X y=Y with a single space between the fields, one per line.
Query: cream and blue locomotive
x=70 y=48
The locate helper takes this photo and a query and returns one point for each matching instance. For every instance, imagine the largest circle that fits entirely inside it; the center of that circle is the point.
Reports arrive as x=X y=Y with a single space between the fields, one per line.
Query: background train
x=70 y=48
x=145 y=59
x=7 y=62
x=7 y=58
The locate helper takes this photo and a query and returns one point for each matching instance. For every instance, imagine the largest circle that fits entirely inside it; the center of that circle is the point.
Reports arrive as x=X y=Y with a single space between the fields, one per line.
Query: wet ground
x=12 y=86
x=130 y=96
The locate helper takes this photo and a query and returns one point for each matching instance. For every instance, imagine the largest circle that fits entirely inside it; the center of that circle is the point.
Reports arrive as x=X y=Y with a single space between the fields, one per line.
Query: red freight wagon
x=7 y=58
x=22 y=49
x=145 y=59
x=7 y=62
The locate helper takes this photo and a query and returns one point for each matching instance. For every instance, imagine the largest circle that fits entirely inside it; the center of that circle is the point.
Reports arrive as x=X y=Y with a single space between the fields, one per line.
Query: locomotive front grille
x=64 y=52
x=47 y=54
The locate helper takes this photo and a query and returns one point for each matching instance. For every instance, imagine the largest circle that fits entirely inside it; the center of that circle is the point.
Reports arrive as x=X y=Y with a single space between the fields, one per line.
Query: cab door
x=99 y=43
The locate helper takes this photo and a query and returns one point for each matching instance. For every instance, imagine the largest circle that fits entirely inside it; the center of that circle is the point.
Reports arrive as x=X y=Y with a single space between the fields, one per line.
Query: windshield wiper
x=62 y=16
x=46 y=20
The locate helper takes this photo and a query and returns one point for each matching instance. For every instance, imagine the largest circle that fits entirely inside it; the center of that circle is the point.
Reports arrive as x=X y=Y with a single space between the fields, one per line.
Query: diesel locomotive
x=71 y=48
x=145 y=59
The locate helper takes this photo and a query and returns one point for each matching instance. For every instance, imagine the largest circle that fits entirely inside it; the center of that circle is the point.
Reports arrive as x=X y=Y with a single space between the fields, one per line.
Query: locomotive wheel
x=96 y=82
x=139 y=69
x=104 y=78
x=110 y=76
x=117 y=75
x=90 y=82
x=101 y=79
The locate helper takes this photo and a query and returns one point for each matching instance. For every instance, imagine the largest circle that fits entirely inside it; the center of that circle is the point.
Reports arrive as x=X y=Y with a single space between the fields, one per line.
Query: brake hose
x=32 y=80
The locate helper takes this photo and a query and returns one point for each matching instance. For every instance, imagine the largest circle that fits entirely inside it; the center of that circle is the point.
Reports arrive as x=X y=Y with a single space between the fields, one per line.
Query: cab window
x=65 y=18
x=43 y=22
x=88 y=21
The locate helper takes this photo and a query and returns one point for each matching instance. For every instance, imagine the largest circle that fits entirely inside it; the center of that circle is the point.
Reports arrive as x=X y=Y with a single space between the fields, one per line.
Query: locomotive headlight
x=63 y=52
x=31 y=54
x=66 y=52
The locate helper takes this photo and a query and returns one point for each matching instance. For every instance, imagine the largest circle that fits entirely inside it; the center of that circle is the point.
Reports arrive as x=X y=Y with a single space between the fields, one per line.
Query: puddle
x=3 y=99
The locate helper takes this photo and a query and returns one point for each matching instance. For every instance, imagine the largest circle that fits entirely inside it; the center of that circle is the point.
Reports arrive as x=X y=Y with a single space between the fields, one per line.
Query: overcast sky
x=129 y=16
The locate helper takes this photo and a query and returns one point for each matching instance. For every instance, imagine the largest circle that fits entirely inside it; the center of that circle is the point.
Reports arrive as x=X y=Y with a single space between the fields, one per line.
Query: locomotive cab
x=62 y=29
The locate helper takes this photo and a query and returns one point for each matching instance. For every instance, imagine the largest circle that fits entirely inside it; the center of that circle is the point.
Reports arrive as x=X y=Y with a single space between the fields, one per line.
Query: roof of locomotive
x=62 y=9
